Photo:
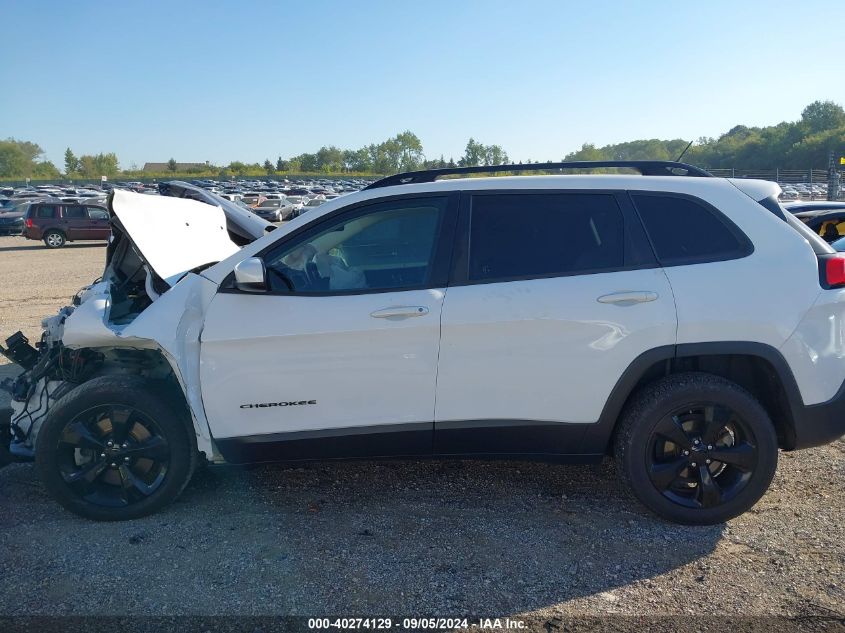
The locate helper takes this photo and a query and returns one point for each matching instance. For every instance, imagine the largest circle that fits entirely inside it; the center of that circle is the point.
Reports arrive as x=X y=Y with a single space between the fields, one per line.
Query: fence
x=812 y=183
x=784 y=176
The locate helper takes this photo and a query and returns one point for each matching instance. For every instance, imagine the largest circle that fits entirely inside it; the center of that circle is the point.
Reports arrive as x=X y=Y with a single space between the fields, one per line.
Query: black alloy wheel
x=701 y=455
x=117 y=447
x=696 y=448
x=113 y=455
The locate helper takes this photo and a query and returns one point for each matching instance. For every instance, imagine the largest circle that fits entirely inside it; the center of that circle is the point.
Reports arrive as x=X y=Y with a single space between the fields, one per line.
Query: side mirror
x=250 y=275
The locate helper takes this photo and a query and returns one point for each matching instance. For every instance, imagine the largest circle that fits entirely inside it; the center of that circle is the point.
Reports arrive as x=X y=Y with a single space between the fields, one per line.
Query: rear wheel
x=696 y=448
x=114 y=448
x=54 y=239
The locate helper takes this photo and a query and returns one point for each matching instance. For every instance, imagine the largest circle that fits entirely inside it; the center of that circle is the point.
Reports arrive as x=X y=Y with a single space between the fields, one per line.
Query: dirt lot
x=36 y=281
x=428 y=538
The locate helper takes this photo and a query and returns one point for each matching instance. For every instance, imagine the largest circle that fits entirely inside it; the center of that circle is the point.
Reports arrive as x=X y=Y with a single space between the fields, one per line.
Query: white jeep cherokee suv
x=684 y=324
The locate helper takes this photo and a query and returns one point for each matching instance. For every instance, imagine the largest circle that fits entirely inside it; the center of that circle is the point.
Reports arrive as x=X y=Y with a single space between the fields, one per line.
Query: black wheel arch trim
x=801 y=425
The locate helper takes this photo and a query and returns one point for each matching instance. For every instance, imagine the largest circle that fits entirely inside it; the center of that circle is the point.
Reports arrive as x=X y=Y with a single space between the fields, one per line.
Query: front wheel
x=696 y=448
x=115 y=448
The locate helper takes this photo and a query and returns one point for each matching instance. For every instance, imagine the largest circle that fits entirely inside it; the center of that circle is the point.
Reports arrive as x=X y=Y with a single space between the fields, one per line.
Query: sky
x=221 y=81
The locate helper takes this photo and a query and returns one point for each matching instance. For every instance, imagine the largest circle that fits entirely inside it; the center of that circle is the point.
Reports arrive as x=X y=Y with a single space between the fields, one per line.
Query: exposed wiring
x=29 y=413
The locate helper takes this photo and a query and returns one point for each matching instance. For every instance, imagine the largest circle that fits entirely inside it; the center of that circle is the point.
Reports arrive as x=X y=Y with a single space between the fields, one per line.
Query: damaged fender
x=172 y=325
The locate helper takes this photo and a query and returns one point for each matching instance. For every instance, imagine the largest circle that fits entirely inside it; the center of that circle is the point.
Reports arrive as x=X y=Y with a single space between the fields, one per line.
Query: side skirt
x=395 y=440
x=487 y=439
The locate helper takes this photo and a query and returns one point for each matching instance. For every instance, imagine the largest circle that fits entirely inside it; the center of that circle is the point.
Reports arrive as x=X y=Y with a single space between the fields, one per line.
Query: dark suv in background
x=56 y=223
x=11 y=218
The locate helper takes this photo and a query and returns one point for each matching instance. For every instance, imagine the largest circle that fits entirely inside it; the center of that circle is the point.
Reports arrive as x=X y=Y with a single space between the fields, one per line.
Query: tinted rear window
x=684 y=231
x=538 y=235
x=45 y=212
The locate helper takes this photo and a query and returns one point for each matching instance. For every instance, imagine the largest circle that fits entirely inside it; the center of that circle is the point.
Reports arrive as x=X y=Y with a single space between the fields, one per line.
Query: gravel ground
x=546 y=542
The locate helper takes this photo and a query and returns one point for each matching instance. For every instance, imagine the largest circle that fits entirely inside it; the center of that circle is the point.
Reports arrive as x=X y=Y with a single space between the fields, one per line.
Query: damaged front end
x=31 y=393
x=143 y=317
x=51 y=370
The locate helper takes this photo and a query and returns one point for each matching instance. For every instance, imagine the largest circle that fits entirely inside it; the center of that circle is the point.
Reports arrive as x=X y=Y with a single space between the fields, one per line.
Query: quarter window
x=539 y=235
x=684 y=231
x=388 y=246
x=96 y=213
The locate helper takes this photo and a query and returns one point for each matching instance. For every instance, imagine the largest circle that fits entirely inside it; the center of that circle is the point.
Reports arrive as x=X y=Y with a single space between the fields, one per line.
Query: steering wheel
x=281 y=277
x=313 y=275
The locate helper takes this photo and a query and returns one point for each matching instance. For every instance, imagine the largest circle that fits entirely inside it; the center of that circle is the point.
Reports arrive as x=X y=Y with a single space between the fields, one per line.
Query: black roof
x=644 y=167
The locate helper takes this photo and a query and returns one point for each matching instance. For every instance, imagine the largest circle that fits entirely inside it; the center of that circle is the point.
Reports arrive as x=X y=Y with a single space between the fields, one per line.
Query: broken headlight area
x=50 y=371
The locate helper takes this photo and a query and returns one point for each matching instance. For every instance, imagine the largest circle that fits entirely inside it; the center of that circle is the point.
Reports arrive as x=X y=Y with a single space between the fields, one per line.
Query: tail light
x=29 y=223
x=832 y=270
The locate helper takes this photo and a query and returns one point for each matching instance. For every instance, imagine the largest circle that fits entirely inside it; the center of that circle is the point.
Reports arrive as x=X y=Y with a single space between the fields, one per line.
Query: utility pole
x=833 y=178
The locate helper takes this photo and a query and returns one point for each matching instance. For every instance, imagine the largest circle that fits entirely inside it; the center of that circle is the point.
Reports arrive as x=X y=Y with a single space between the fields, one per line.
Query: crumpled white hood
x=173 y=235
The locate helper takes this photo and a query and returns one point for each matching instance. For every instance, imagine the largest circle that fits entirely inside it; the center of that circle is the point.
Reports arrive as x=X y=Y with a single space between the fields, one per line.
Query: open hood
x=172 y=235
x=243 y=225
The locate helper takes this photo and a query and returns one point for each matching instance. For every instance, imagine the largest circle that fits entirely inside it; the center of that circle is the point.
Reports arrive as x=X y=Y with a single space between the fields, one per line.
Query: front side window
x=388 y=246
x=540 y=235
x=75 y=213
x=684 y=231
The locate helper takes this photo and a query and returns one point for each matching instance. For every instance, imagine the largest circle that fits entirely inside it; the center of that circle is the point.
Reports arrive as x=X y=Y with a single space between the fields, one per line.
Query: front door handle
x=628 y=298
x=399 y=312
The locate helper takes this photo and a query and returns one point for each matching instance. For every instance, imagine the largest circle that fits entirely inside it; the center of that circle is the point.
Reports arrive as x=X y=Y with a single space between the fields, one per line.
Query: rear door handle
x=628 y=298
x=399 y=312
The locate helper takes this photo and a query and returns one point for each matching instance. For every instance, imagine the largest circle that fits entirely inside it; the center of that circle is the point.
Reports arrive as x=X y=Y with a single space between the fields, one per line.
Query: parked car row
x=803 y=191
x=280 y=200
x=57 y=214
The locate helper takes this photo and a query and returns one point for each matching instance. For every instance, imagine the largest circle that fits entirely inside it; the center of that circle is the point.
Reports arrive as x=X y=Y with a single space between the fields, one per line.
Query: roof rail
x=645 y=167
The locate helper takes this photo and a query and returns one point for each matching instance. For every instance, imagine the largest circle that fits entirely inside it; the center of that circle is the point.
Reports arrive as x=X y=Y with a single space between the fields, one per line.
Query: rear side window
x=684 y=231
x=45 y=212
x=542 y=235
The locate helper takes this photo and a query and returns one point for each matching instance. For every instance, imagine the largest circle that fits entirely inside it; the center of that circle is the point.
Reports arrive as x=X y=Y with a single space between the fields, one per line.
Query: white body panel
x=361 y=370
x=816 y=350
x=756 y=298
x=546 y=349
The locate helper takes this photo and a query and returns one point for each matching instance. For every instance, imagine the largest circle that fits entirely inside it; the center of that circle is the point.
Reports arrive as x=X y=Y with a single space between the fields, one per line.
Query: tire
x=148 y=463
x=54 y=239
x=708 y=417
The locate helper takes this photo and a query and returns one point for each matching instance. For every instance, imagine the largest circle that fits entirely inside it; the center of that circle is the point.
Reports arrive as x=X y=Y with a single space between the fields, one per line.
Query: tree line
x=800 y=144
x=403 y=152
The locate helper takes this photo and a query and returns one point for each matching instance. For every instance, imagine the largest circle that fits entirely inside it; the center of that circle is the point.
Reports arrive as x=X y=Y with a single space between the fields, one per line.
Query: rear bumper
x=820 y=424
